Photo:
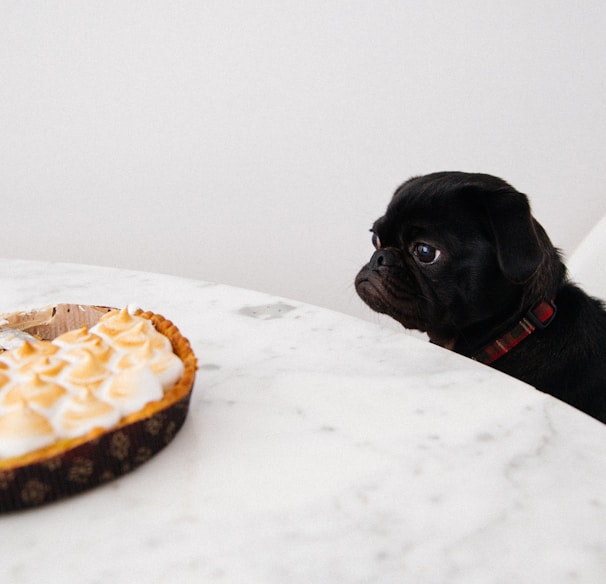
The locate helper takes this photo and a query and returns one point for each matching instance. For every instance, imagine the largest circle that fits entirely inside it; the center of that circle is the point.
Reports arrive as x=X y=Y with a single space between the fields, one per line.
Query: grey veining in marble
x=321 y=448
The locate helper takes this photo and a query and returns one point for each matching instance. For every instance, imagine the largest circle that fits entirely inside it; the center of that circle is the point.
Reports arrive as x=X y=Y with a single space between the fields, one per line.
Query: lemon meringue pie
x=70 y=397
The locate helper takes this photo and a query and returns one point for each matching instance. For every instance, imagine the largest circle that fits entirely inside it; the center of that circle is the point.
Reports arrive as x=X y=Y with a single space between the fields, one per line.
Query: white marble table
x=320 y=448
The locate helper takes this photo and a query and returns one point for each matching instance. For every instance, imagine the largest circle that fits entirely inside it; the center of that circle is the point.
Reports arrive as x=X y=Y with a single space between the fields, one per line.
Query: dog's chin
x=380 y=298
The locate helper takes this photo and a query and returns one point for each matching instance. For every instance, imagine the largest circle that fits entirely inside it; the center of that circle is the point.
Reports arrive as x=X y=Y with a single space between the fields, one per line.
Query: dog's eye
x=426 y=253
x=376 y=241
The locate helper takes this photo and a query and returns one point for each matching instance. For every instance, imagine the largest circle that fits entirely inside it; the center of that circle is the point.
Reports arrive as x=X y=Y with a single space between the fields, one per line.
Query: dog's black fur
x=460 y=257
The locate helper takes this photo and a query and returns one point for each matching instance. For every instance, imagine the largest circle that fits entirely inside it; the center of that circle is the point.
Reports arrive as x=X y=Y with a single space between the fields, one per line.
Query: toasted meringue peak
x=34 y=391
x=115 y=322
x=22 y=430
x=44 y=366
x=132 y=388
x=25 y=351
x=82 y=337
x=28 y=351
x=84 y=368
x=45 y=400
x=84 y=412
x=134 y=357
x=168 y=367
x=138 y=334
x=76 y=336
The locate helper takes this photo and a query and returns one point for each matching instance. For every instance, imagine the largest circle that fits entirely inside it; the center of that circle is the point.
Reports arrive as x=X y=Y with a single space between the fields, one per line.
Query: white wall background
x=254 y=142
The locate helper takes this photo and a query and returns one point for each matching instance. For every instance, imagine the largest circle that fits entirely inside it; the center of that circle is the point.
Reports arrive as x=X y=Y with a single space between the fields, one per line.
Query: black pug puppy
x=460 y=257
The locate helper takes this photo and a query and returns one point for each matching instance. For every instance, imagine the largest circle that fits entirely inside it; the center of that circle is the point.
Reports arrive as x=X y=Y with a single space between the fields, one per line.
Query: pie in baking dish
x=82 y=404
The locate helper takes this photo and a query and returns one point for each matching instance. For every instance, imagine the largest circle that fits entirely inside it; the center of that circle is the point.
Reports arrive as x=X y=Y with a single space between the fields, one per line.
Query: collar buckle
x=541 y=314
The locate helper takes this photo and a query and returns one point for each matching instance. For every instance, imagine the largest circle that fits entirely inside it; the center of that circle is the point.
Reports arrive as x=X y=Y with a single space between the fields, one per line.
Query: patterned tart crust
x=69 y=466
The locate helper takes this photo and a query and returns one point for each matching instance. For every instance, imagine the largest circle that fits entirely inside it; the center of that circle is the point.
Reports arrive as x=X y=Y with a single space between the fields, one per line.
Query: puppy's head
x=457 y=255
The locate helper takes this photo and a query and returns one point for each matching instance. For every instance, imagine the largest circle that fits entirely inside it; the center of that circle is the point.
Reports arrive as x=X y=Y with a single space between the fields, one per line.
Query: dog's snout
x=383 y=257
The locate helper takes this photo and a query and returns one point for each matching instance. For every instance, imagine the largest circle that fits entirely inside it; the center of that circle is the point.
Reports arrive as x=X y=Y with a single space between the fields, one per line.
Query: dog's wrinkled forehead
x=437 y=199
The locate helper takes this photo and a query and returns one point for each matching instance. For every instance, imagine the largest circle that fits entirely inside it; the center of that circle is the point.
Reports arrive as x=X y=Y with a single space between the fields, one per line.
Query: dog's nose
x=383 y=257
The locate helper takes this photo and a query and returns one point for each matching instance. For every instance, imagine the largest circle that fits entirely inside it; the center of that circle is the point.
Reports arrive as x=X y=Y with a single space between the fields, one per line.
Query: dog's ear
x=518 y=246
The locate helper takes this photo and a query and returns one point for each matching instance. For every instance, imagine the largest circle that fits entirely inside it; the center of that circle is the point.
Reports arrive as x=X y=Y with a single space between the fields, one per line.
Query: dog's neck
x=468 y=339
x=486 y=342
x=538 y=317
x=544 y=285
x=487 y=348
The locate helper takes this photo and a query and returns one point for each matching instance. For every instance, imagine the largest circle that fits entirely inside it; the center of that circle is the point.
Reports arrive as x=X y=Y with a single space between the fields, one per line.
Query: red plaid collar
x=538 y=317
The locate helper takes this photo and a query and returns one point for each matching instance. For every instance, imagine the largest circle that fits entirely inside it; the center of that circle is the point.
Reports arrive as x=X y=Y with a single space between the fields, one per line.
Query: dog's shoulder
x=582 y=314
x=577 y=340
